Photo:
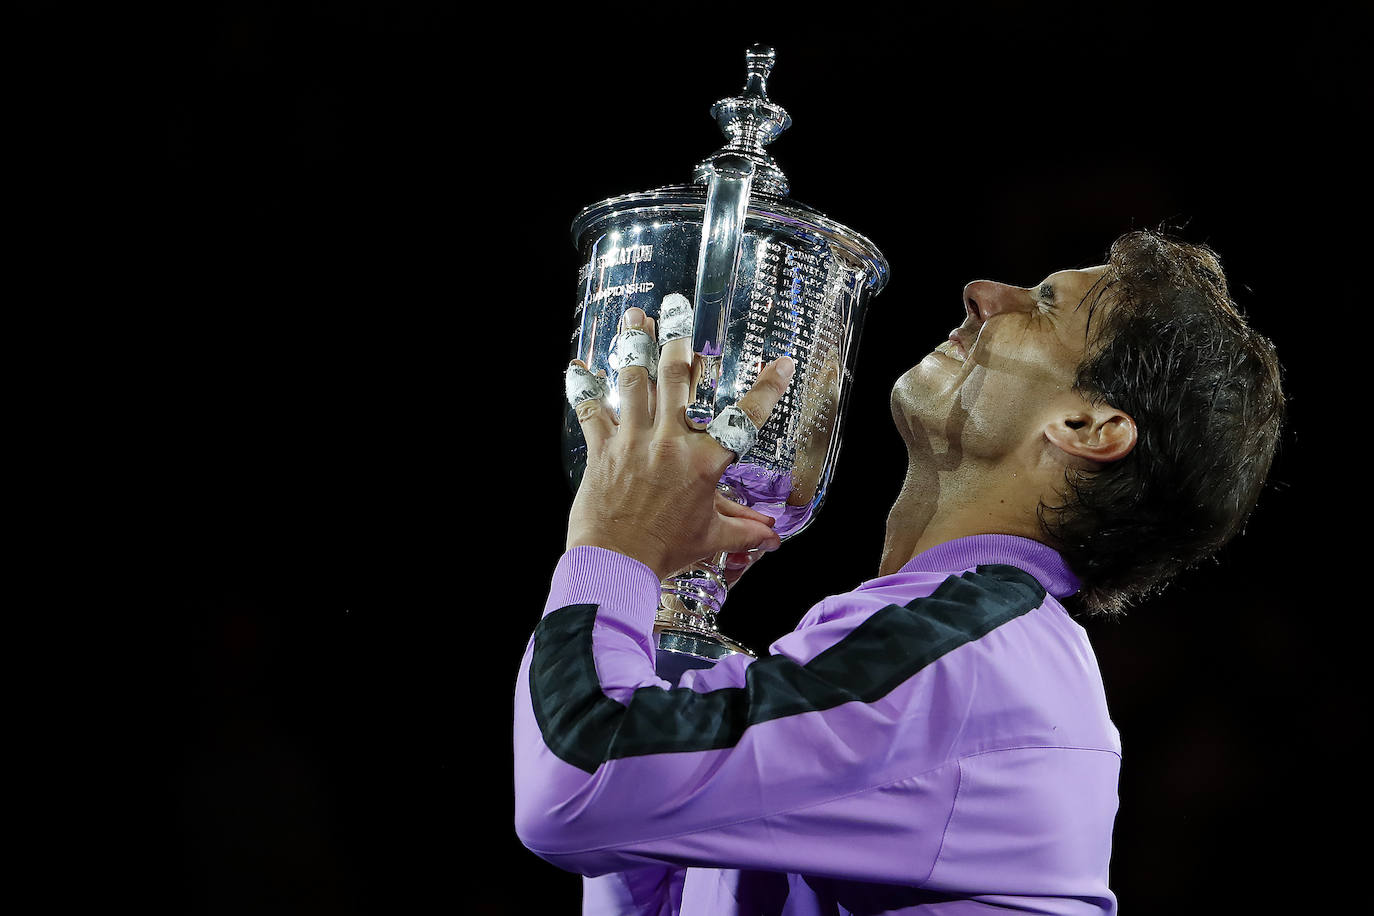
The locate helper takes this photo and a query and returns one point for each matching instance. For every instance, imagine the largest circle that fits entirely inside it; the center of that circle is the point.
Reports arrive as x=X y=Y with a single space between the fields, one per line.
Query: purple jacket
x=935 y=741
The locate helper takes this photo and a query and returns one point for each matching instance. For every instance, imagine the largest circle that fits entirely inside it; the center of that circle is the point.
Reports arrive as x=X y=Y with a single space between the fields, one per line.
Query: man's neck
x=936 y=506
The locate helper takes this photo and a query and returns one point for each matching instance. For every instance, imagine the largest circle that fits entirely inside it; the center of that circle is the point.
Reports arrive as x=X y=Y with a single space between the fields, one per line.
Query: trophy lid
x=750 y=121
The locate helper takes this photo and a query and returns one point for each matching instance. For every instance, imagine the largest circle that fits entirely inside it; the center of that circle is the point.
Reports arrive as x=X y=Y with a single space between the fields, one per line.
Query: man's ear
x=1100 y=434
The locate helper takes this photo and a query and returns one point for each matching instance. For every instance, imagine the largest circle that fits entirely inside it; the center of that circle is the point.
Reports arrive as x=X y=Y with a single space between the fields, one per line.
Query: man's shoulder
x=915 y=617
x=993 y=588
x=988 y=641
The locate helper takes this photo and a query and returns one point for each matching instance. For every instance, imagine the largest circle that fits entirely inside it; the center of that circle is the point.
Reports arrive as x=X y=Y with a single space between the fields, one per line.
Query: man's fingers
x=597 y=420
x=733 y=432
x=749 y=529
x=727 y=506
x=674 y=382
x=652 y=328
x=674 y=359
x=632 y=354
x=737 y=535
x=767 y=390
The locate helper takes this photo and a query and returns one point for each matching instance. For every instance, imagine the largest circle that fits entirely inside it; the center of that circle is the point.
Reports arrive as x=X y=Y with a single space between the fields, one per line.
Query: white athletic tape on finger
x=582 y=385
x=733 y=429
x=634 y=347
x=675 y=318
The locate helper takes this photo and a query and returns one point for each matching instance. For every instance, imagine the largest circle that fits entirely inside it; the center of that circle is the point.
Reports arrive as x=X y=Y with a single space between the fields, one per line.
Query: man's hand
x=649 y=489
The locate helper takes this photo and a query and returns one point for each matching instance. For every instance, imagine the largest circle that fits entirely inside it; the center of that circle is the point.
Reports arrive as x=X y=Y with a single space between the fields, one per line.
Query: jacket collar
x=1040 y=560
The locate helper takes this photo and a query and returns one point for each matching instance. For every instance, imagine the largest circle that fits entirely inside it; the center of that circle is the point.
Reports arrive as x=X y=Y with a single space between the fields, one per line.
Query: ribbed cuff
x=620 y=586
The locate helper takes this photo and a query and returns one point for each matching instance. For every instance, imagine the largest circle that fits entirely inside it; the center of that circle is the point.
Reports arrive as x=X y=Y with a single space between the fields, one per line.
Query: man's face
x=1004 y=372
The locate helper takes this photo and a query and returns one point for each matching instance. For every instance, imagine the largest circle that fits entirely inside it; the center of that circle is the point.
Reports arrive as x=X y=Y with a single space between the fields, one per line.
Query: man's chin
x=920 y=388
x=930 y=375
x=938 y=373
x=899 y=403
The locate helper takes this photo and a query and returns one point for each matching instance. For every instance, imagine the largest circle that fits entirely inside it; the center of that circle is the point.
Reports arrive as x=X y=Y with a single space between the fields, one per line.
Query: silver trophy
x=767 y=278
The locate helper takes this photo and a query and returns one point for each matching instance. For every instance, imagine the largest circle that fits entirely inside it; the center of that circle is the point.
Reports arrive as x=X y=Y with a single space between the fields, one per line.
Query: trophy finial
x=750 y=121
x=759 y=59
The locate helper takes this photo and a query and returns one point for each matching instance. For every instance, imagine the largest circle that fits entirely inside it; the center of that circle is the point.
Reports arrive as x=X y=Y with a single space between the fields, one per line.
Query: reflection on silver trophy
x=751 y=276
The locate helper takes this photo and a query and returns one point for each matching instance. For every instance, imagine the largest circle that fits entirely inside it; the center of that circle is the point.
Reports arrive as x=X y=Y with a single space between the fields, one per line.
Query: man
x=938 y=739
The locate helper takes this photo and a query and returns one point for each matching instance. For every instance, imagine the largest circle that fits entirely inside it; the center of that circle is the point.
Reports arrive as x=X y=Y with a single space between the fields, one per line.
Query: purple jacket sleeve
x=615 y=770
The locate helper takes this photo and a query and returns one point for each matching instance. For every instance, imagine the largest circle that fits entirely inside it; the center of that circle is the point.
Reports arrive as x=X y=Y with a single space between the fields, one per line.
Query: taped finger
x=582 y=385
x=733 y=429
x=586 y=393
x=675 y=317
x=633 y=347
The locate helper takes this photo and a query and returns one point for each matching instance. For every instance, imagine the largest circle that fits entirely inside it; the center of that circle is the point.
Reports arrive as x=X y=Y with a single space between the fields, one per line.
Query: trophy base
x=685 y=630
x=681 y=646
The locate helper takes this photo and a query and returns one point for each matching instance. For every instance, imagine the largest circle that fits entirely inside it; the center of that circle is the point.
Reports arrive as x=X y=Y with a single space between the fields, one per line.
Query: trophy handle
x=691 y=599
x=722 y=233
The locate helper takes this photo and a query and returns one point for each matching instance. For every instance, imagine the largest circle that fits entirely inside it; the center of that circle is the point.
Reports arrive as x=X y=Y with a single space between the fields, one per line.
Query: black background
x=361 y=281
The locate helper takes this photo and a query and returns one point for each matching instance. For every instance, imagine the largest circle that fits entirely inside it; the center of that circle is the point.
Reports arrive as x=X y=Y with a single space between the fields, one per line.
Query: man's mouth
x=953 y=347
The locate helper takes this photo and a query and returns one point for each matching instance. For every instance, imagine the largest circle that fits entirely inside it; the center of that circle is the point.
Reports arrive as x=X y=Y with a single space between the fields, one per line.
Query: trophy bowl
x=766 y=277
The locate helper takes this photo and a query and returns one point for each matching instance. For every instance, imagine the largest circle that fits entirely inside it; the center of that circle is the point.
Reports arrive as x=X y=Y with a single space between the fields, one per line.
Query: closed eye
x=1046 y=297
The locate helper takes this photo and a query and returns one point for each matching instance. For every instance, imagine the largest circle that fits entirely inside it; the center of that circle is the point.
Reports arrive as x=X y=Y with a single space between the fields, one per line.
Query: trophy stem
x=688 y=604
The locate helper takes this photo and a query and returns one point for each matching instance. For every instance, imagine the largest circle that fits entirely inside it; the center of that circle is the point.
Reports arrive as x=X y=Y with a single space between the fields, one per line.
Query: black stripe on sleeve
x=586 y=728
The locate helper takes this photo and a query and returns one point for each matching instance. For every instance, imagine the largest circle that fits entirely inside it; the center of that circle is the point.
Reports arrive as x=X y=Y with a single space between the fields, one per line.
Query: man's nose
x=985 y=298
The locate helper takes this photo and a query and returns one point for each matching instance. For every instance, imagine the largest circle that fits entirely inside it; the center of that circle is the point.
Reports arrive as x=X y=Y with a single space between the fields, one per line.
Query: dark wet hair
x=1169 y=347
